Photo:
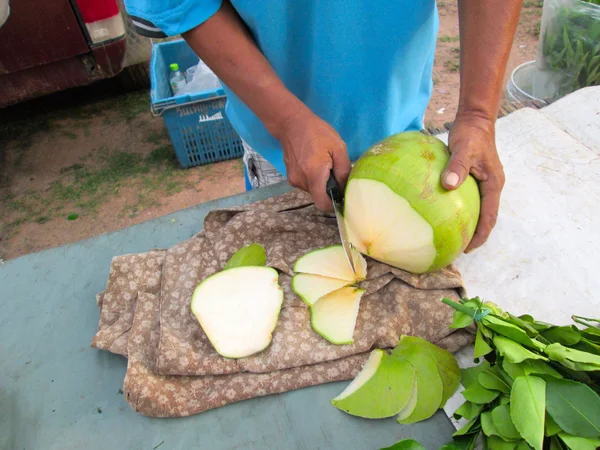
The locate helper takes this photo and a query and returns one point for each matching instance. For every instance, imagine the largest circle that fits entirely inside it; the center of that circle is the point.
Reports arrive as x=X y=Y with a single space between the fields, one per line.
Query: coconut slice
x=385 y=226
x=334 y=315
x=238 y=309
x=429 y=387
x=383 y=388
x=331 y=262
x=311 y=288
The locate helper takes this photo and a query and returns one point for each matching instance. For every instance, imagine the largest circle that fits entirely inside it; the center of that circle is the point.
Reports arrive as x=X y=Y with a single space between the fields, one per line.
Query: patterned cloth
x=260 y=171
x=172 y=368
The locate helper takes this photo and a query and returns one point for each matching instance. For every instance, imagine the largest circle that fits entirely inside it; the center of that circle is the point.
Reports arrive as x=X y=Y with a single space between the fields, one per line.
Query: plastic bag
x=568 y=51
x=202 y=79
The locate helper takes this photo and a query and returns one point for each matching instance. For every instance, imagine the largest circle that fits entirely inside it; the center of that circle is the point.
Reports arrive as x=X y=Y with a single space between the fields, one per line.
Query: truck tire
x=135 y=77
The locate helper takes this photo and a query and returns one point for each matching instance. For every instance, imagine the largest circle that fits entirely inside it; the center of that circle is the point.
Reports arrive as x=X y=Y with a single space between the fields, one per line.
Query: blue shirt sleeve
x=171 y=17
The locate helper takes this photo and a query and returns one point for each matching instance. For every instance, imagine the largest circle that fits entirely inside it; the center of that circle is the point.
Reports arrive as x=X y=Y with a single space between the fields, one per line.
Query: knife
x=334 y=191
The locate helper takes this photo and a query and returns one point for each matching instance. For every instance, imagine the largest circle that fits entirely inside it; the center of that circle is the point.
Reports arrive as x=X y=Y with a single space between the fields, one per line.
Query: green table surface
x=56 y=392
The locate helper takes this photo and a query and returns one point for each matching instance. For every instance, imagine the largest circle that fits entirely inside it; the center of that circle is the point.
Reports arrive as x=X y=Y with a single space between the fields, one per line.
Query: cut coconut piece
x=238 y=309
x=398 y=212
x=331 y=262
x=311 y=288
x=383 y=388
x=428 y=383
x=385 y=226
x=334 y=315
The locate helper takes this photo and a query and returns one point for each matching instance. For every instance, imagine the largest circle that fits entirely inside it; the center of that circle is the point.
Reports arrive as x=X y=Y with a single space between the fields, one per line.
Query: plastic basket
x=197 y=123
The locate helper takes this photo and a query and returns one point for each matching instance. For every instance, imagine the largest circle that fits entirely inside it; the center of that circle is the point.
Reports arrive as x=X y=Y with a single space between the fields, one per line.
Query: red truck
x=48 y=46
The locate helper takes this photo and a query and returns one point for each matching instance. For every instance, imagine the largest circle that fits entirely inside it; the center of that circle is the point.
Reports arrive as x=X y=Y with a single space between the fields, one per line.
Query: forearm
x=487 y=29
x=225 y=45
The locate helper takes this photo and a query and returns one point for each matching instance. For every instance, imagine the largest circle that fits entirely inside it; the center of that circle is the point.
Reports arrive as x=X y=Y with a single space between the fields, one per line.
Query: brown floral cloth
x=173 y=369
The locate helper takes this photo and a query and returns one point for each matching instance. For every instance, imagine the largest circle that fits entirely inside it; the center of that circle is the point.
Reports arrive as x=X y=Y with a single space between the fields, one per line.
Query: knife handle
x=333 y=188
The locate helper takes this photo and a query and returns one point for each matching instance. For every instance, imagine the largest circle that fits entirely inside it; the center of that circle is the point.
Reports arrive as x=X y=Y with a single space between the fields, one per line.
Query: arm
x=311 y=147
x=487 y=29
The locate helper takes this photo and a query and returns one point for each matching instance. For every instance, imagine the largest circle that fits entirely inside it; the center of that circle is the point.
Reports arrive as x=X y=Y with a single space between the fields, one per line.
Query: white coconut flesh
x=384 y=226
x=312 y=287
x=238 y=309
x=383 y=388
x=334 y=315
x=331 y=262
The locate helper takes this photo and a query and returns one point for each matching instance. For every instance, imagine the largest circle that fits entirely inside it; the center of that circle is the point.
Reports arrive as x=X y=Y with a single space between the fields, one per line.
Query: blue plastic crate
x=197 y=123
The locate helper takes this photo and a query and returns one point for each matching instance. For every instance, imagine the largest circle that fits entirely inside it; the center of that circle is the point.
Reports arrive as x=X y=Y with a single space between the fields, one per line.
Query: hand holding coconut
x=473 y=147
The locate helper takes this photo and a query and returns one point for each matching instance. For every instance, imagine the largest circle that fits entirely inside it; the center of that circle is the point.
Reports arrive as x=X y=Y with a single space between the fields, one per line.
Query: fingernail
x=452 y=179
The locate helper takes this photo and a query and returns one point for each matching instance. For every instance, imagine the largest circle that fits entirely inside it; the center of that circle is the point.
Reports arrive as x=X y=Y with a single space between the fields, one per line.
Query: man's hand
x=311 y=149
x=472 y=143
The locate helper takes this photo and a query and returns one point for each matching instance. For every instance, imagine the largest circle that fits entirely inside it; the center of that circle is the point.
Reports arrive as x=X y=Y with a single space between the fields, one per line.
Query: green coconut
x=397 y=211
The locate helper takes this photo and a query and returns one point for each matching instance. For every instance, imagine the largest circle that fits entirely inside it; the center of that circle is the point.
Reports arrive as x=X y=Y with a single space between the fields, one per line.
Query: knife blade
x=334 y=191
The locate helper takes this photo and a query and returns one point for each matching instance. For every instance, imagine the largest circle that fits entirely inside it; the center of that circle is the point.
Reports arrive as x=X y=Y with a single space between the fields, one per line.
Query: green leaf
x=466 y=442
x=470 y=374
x=523 y=445
x=481 y=347
x=529 y=367
x=573 y=359
x=527 y=409
x=504 y=424
x=493 y=380
x=556 y=443
x=468 y=410
x=503 y=399
x=551 y=426
x=497 y=443
x=574 y=406
x=469 y=427
x=480 y=395
x=511 y=331
x=251 y=255
x=462 y=320
x=487 y=424
x=524 y=324
x=562 y=335
x=579 y=443
x=513 y=351
x=405 y=444
x=587 y=346
x=591 y=333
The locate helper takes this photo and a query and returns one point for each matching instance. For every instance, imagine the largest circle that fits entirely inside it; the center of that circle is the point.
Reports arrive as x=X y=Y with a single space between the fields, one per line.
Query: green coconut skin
x=411 y=164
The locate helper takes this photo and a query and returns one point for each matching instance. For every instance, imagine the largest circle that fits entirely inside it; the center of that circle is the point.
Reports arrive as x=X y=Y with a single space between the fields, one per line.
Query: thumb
x=456 y=171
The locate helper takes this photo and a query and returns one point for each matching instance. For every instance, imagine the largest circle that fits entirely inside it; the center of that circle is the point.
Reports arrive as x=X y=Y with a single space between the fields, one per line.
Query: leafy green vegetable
x=511 y=331
x=529 y=367
x=497 y=443
x=562 y=335
x=574 y=407
x=405 y=444
x=527 y=409
x=573 y=359
x=481 y=347
x=492 y=379
x=504 y=424
x=487 y=424
x=579 y=443
x=468 y=410
x=513 y=351
x=468 y=428
x=551 y=426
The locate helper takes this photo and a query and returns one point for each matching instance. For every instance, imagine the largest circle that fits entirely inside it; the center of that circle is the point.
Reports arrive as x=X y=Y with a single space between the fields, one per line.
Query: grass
x=452 y=65
x=533 y=4
x=84 y=187
x=535 y=31
x=446 y=38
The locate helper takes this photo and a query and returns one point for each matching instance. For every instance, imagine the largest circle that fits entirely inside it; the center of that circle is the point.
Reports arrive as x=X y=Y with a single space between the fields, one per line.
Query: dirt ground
x=93 y=160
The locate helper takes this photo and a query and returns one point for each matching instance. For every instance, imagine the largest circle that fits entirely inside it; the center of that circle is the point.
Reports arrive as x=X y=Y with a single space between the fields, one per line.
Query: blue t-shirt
x=362 y=66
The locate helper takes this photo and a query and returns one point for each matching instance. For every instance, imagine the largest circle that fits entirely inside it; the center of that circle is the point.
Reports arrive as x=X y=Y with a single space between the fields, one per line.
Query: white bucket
x=527 y=83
